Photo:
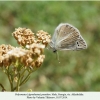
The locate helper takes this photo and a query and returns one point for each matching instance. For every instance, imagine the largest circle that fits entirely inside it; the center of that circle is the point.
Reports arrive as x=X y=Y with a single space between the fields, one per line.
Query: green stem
x=20 y=76
x=18 y=83
x=10 y=79
x=24 y=81
x=23 y=73
x=3 y=89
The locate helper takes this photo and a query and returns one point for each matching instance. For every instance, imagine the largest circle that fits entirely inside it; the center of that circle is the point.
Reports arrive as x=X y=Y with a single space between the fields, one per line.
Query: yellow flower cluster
x=31 y=56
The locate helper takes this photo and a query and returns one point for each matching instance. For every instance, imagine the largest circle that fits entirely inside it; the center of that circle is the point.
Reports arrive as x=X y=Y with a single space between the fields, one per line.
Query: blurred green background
x=77 y=70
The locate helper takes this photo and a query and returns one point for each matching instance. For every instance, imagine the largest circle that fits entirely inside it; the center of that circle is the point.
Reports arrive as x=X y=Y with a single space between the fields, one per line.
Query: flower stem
x=10 y=79
x=3 y=89
x=25 y=79
x=18 y=83
x=23 y=82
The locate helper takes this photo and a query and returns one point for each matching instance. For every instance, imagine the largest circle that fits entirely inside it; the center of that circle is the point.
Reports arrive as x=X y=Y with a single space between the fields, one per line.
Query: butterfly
x=67 y=37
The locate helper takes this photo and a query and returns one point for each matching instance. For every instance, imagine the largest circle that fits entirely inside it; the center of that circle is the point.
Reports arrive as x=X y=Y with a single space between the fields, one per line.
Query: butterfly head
x=54 y=50
x=52 y=46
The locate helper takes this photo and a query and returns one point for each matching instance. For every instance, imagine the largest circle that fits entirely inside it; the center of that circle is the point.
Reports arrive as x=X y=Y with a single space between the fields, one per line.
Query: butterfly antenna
x=57 y=56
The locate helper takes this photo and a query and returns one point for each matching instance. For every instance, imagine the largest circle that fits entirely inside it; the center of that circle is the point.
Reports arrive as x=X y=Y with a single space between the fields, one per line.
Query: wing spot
x=77 y=44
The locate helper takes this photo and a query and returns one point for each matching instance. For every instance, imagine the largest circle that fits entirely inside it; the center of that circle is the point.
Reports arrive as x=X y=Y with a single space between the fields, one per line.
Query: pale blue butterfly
x=67 y=37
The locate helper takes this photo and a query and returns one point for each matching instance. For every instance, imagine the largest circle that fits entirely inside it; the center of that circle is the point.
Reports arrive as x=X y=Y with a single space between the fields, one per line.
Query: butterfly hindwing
x=69 y=42
x=73 y=44
x=81 y=44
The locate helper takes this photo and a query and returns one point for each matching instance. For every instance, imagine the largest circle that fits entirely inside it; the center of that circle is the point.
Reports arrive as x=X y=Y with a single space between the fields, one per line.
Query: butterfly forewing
x=64 y=30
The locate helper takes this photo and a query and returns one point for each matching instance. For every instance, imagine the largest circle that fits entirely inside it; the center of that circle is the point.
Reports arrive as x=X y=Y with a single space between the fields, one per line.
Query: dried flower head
x=4 y=58
x=29 y=56
x=43 y=37
x=40 y=60
x=19 y=62
x=23 y=56
x=24 y=36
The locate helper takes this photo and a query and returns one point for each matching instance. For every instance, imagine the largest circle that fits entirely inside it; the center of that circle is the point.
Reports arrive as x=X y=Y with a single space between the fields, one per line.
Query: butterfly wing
x=59 y=34
x=68 y=38
x=54 y=38
x=61 y=31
